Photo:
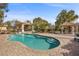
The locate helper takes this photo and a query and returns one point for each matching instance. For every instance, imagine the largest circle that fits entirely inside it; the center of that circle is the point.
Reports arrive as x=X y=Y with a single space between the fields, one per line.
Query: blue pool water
x=34 y=41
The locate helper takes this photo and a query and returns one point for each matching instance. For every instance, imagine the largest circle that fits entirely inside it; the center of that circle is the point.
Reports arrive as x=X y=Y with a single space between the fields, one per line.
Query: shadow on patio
x=72 y=47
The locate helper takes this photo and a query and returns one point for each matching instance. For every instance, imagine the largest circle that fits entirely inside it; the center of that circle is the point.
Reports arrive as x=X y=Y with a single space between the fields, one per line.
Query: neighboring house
x=3 y=29
x=26 y=27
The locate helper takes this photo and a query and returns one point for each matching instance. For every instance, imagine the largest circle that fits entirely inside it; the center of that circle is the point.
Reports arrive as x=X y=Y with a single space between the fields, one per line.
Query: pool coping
x=35 y=49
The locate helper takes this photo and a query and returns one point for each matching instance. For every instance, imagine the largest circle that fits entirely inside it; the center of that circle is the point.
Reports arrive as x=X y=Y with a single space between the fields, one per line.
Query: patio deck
x=67 y=47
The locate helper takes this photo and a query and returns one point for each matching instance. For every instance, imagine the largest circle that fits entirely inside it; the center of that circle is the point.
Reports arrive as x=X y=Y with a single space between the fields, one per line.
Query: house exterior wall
x=74 y=29
x=3 y=28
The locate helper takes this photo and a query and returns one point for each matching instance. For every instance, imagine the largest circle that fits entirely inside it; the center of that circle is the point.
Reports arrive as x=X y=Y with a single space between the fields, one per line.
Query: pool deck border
x=30 y=52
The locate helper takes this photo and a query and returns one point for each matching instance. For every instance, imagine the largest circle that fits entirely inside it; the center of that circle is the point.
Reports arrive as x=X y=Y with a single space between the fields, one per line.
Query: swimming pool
x=35 y=41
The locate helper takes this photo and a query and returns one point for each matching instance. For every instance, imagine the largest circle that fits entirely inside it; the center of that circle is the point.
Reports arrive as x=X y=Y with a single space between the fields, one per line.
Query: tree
x=17 y=25
x=3 y=9
x=65 y=16
x=40 y=24
x=3 y=5
x=28 y=21
x=1 y=16
x=13 y=25
x=9 y=25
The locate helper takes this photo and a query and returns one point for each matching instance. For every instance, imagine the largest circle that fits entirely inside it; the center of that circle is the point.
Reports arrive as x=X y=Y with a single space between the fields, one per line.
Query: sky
x=47 y=11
